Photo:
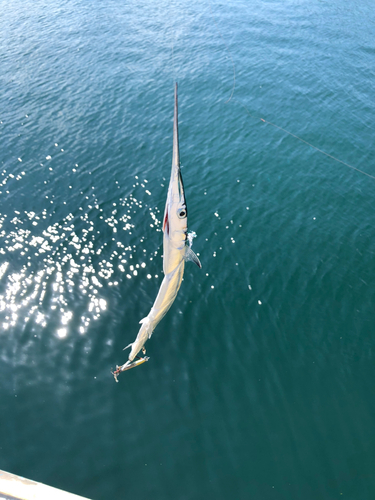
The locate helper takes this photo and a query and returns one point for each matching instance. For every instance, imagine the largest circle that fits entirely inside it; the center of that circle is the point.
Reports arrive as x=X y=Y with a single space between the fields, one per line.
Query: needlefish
x=176 y=251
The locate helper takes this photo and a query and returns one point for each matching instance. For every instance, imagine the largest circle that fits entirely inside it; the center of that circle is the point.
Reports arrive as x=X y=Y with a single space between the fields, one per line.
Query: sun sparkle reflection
x=50 y=268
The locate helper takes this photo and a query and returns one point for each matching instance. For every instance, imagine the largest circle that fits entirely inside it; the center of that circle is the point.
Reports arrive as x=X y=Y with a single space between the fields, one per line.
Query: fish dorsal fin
x=190 y=256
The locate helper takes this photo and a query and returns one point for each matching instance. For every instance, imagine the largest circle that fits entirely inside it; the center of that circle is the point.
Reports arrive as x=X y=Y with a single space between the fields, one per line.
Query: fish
x=176 y=251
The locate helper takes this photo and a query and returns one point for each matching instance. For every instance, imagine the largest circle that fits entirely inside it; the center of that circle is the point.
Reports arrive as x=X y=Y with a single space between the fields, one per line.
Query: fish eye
x=181 y=213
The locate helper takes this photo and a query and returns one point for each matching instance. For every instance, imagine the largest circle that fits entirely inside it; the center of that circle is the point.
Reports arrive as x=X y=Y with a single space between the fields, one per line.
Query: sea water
x=260 y=383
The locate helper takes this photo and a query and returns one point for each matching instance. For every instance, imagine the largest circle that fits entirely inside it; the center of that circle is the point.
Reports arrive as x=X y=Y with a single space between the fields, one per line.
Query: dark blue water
x=261 y=377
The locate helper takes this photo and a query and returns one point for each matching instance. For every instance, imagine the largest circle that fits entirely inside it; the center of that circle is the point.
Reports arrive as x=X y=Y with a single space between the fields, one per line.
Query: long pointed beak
x=176 y=148
x=176 y=185
x=176 y=151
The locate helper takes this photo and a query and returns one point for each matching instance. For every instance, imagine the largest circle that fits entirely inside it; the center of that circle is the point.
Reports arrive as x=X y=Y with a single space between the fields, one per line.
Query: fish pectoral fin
x=190 y=256
x=127 y=347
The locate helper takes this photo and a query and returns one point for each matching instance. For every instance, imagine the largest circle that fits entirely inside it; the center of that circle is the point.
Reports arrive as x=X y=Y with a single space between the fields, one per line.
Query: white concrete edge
x=25 y=489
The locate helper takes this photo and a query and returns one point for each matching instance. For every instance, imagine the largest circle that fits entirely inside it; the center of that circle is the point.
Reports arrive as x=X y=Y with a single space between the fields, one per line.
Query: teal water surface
x=260 y=383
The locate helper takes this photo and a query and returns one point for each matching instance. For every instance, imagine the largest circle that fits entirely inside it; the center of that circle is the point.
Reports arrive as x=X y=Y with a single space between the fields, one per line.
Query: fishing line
x=273 y=124
x=173 y=70
x=305 y=142
x=229 y=53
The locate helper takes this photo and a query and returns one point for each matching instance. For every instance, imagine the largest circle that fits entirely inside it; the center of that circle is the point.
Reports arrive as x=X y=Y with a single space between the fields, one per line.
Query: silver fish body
x=175 y=250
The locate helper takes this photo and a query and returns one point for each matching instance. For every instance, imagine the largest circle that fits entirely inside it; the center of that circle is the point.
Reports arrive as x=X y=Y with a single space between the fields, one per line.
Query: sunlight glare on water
x=73 y=263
